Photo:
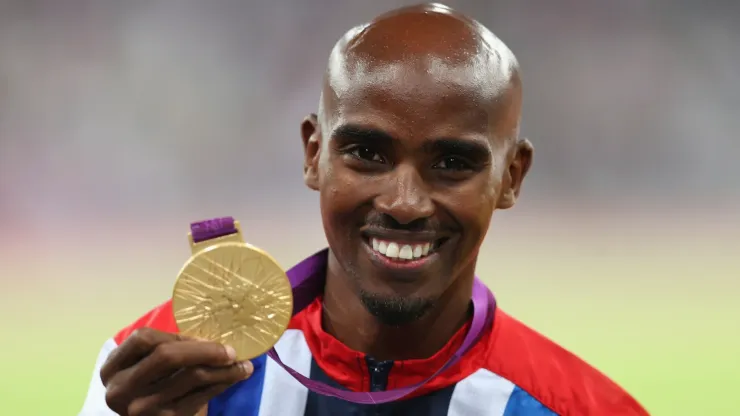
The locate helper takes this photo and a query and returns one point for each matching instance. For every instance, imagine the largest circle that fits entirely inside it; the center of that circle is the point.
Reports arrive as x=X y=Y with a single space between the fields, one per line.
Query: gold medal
x=233 y=293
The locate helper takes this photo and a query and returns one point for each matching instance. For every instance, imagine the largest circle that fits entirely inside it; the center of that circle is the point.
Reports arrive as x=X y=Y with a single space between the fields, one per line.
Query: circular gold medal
x=236 y=294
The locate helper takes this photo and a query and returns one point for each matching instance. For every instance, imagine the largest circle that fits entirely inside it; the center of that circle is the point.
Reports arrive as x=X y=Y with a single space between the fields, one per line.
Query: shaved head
x=436 y=44
x=416 y=139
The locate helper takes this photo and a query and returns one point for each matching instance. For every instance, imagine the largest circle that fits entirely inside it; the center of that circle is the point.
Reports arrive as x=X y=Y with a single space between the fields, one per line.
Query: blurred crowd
x=116 y=106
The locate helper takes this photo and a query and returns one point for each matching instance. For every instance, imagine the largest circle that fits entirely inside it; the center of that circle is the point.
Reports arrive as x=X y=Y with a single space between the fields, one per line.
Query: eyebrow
x=347 y=133
x=357 y=133
x=474 y=149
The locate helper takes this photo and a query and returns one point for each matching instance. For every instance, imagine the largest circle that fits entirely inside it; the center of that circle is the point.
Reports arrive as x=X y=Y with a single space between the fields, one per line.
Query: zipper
x=379 y=373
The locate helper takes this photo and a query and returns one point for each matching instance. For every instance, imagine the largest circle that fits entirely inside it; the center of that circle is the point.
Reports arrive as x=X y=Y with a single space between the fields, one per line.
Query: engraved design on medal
x=235 y=294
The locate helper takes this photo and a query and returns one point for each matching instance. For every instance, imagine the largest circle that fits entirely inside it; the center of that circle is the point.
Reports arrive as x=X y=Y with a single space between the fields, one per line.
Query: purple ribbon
x=308 y=285
x=208 y=229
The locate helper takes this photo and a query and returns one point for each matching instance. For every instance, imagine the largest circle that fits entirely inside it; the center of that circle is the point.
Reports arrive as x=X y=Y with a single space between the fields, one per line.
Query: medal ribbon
x=308 y=286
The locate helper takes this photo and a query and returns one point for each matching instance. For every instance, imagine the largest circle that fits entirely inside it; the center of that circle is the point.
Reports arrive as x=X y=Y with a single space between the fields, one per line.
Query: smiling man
x=414 y=146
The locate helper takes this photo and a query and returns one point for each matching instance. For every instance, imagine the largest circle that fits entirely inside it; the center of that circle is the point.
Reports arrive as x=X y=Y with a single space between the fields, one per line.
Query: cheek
x=484 y=211
x=488 y=198
x=474 y=207
x=488 y=201
x=337 y=189
x=338 y=199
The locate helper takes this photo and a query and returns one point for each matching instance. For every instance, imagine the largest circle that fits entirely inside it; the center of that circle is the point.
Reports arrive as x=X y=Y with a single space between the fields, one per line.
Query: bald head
x=412 y=46
x=424 y=32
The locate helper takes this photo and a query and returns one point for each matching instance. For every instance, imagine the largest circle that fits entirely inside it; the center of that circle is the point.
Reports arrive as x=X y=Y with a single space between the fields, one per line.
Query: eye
x=367 y=154
x=455 y=163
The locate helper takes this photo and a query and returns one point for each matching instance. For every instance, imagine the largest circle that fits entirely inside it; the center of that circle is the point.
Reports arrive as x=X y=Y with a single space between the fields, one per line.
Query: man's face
x=410 y=169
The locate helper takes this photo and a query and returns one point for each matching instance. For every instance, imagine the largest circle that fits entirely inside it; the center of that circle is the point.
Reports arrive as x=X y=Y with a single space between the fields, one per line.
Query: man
x=414 y=146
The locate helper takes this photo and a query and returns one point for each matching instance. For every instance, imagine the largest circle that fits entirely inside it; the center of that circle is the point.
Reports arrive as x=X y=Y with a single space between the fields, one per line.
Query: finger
x=119 y=391
x=193 y=402
x=170 y=357
x=190 y=381
x=137 y=346
x=166 y=360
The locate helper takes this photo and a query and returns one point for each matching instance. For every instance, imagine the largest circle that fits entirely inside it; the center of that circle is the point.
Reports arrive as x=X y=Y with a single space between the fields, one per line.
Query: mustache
x=380 y=221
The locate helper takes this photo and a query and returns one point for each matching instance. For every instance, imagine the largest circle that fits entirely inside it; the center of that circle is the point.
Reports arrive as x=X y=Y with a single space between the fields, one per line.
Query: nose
x=405 y=197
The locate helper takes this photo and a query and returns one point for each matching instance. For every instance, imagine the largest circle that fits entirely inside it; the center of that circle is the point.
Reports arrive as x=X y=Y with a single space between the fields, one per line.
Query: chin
x=391 y=284
x=396 y=310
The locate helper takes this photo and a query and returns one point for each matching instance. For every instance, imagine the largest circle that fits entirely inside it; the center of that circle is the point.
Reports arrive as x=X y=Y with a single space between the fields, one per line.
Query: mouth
x=400 y=254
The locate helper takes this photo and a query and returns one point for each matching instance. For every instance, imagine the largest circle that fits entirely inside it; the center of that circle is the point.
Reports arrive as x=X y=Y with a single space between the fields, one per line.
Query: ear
x=311 y=135
x=514 y=176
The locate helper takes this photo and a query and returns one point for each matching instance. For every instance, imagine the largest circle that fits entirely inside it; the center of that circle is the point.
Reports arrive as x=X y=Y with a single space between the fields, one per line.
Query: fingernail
x=248 y=367
x=231 y=353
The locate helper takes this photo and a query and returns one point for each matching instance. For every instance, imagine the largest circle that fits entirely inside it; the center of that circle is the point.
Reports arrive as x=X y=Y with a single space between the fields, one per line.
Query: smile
x=403 y=255
x=401 y=251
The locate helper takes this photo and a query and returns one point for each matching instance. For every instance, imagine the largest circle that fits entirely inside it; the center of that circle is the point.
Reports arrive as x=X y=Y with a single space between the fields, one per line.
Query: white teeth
x=418 y=249
x=382 y=247
x=400 y=250
x=392 y=251
x=406 y=253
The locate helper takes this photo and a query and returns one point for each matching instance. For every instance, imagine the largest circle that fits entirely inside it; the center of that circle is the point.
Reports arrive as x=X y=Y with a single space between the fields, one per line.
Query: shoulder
x=552 y=375
x=160 y=318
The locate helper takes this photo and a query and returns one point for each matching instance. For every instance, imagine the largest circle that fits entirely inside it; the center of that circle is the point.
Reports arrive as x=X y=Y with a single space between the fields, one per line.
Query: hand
x=162 y=374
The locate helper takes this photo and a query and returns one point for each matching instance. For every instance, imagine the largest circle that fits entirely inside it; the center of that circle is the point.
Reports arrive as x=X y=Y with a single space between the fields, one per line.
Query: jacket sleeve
x=160 y=318
x=95 y=404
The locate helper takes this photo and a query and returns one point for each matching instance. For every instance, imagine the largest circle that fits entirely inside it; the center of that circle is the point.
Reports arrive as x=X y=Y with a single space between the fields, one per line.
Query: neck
x=347 y=319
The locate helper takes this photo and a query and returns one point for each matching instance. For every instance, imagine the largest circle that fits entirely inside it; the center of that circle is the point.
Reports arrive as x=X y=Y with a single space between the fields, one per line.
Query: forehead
x=421 y=96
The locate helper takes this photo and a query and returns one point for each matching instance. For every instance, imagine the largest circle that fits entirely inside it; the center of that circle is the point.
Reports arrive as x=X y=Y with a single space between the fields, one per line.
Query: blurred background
x=121 y=122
